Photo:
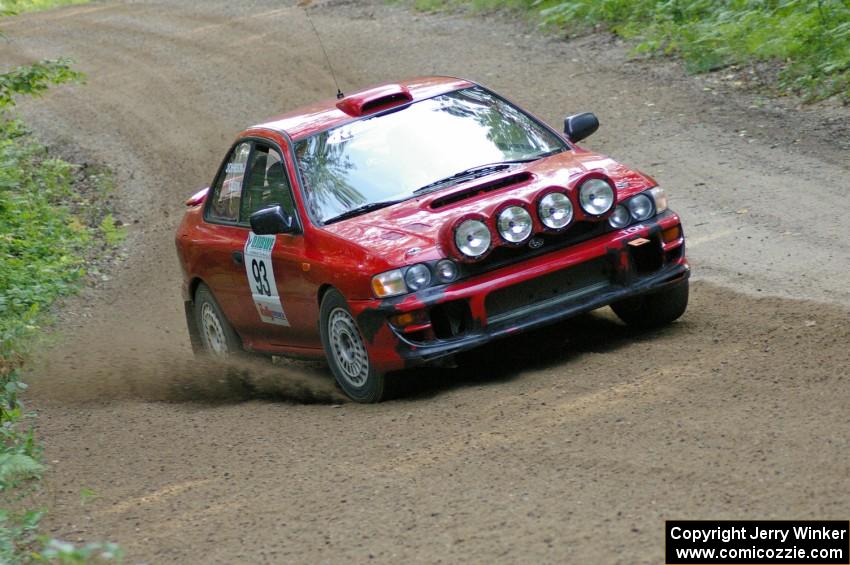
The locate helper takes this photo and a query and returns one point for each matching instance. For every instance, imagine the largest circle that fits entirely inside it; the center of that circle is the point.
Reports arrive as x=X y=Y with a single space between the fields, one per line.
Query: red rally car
x=412 y=221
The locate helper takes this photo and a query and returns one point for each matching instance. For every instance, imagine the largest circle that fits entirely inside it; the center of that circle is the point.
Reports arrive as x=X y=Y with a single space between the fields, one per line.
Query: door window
x=227 y=193
x=267 y=184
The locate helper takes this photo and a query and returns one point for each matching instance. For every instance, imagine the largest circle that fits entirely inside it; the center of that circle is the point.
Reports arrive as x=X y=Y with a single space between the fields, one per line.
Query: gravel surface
x=571 y=445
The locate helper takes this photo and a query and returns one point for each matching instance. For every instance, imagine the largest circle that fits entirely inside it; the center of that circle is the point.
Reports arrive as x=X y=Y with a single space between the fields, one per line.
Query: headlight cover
x=414 y=278
x=515 y=224
x=555 y=210
x=659 y=195
x=620 y=217
x=472 y=238
x=640 y=207
x=388 y=284
x=596 y=196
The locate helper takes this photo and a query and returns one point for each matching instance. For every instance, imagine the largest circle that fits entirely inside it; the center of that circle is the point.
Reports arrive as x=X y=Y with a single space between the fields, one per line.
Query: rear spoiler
x=198 y=197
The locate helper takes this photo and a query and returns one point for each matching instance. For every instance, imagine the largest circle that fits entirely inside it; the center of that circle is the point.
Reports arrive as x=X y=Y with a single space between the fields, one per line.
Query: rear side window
x=227 y=193
x=267 y=184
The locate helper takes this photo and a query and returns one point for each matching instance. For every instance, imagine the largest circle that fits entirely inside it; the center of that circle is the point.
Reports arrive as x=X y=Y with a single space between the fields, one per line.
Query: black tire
x=217 y=336
x=655 y=309
x=346 y=351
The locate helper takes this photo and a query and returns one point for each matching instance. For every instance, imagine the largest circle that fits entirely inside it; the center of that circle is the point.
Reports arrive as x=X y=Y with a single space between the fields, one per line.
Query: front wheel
x=346 y=351
x=655 y=309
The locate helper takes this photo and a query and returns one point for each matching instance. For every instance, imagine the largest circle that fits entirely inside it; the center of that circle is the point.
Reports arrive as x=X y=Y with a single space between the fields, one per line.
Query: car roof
x=307 y=120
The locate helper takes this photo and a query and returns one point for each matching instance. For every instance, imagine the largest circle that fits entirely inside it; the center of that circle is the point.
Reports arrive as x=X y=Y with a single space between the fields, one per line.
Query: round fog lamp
x=555 y=210
x=417 y=277
x=515 y=224
x=620 y=217
x=641 y=207
x=596 y=196
x=472 y=238
x=446 y=270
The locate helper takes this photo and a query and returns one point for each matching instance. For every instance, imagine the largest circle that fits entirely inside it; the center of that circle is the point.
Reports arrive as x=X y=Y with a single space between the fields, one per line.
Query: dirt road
x=573 y=445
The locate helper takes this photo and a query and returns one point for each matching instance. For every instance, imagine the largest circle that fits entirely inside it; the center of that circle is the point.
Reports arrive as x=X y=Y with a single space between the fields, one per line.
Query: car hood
x=420 y=229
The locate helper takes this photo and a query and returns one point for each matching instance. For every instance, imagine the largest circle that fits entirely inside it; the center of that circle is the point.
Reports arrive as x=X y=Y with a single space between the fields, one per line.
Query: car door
x=273 y=264
x=224 y=238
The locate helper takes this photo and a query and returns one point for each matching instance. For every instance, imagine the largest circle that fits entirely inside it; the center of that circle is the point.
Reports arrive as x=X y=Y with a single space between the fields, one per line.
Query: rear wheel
x=218 y=338
x=655 y=309
x=346 y=351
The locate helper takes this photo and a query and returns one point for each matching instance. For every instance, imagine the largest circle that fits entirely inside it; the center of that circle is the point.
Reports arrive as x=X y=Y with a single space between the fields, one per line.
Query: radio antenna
x=304 y=5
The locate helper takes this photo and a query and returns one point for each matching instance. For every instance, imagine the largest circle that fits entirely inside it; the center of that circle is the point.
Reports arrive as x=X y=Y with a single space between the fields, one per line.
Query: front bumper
x=526 y=295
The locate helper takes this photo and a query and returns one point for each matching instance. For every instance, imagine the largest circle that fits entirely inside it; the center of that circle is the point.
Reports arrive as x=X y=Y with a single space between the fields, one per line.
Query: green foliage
x=478 y=5
x=811 y=39
x=11 y=7
x=18 y=534
x=87 y=495
x=807 y=40
x=113 y=233
x=43 y=247
x=34 y=79
x=42 y=244
x=70 y=554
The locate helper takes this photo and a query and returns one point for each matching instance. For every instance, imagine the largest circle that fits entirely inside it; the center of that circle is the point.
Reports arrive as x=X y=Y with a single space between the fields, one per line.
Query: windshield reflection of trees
x=511 y=131
x=326 y=168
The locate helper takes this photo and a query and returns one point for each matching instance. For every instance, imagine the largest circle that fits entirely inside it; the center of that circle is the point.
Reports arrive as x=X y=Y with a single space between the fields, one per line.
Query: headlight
x=514 y=224
x=620 y=217
x=596 y=196
x=640 y=207
x=660 y=196
x=472 y=238
x=446 y=270
x=387 y=284
x=417 y=277
x=555 y=210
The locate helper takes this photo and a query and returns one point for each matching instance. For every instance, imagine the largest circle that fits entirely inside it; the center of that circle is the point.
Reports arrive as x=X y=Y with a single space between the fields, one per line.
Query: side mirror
x=580 y=126
x=270 y=221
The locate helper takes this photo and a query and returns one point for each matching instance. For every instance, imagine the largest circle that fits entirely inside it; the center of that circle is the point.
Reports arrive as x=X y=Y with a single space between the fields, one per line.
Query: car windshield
x=384 y=159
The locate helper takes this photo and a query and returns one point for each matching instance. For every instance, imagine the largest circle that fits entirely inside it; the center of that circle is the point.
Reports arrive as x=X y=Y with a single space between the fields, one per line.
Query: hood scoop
x=375 y=100
x=473 y=191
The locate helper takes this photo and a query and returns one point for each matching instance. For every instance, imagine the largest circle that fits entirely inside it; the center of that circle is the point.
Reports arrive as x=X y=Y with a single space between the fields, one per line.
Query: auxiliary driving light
x=555 y=210
x=472 y=238
x=514 y=224
x=596 y=196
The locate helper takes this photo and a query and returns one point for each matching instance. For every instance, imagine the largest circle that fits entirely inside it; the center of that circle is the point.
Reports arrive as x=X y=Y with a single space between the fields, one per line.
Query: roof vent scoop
x=375 y=100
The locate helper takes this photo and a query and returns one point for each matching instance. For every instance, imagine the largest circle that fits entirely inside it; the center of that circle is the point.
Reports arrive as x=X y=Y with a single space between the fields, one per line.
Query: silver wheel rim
x=347 y=348
x=213 y=332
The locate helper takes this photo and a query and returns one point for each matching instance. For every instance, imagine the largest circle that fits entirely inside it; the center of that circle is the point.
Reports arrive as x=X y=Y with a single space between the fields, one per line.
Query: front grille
x=508 y=255
x=548 y=290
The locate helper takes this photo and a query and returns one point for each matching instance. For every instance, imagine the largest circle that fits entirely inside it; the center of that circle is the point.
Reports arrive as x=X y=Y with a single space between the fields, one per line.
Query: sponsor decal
x=260 y=272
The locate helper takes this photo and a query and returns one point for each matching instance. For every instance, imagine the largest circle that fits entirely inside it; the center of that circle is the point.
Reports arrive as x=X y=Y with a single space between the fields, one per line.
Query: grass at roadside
x=806 y=42
x=9 y=7
x=49 y=227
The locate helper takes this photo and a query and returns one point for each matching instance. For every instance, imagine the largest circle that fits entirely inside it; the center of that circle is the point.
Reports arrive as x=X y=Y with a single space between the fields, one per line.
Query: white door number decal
x=258 y=267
